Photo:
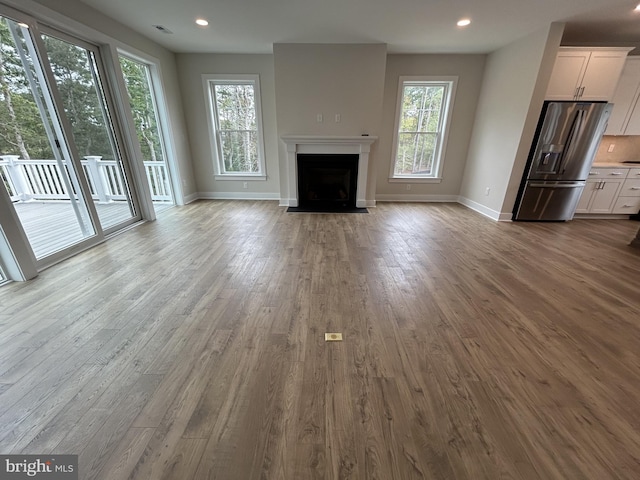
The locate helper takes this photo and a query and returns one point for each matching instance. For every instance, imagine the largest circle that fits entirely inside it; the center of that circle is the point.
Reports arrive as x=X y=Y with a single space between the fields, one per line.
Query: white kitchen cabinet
x=625 y=117
x=601 y=191
x=628 y=201
x=586 y=74
x=599 y=196
x=587 y=194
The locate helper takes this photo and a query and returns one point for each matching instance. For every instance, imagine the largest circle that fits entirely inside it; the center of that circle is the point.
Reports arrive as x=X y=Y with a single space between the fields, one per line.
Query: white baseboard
x=238 y=196
x=288 y=202
x=604 y=216
x=393 y=197
x=285 y=202
x=486 y=211
x=187 y=199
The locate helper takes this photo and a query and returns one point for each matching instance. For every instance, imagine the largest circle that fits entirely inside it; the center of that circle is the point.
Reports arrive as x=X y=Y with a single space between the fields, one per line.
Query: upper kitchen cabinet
x=586 y=74
x=625 y=118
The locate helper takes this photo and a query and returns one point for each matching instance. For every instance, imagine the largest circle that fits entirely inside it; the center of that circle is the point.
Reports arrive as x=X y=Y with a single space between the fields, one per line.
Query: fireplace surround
x=326 y=147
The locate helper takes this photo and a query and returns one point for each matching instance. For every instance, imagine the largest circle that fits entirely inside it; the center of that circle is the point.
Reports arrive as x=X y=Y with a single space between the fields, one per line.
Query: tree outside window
x=421 y=126
x=236 y=126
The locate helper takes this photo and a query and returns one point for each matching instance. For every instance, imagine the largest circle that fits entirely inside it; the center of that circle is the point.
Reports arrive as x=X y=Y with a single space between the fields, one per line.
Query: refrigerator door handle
x=559 y=185
x=576 y=127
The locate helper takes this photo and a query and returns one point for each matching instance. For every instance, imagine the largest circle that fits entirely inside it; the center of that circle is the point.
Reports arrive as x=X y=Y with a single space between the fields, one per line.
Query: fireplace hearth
x=327 y=181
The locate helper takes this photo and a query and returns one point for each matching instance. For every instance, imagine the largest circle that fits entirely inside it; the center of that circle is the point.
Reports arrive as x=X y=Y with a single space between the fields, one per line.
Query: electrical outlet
x=319 y=118
x=487 y=191
x=408 y=187
x=338 y=118
x=184 y=183
x=612 y=147
x=245 y=185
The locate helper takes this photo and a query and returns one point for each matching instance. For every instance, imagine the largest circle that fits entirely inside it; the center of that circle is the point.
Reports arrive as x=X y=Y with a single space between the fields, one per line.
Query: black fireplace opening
x=327 y=181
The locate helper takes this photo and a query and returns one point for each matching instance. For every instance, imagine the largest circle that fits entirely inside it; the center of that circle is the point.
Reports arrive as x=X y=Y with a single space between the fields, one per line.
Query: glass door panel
x=78 y=79
x=137 y=77
x=3 y=276
x=35 y=163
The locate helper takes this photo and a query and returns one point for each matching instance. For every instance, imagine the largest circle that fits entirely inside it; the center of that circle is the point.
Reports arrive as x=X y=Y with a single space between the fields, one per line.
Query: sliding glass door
x=61 y=160
x=36 y=161
x=142 y=100
x=78 y=77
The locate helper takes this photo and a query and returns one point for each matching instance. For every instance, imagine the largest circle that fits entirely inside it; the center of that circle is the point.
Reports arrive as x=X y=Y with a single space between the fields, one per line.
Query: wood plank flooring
x=193 y=348
x=51 y=226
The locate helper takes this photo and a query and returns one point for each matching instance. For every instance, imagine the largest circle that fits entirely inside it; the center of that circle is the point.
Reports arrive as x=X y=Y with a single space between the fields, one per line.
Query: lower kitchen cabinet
x=611 y=191
x=628 y=201
x=599 y=196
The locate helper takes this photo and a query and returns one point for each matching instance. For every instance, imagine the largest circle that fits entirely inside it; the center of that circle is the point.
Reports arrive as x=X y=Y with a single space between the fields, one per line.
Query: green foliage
x=21 y=121
x=16 y=95
x=419 y=129
x=76 y=77
x=143 y=108
x=238 y=133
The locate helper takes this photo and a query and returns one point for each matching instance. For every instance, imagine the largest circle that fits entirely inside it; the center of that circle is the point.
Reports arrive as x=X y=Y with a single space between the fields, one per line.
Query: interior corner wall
x=191 y=67
x=329 y=80
x=469 y=70
x=513 y=87
x=79 y=16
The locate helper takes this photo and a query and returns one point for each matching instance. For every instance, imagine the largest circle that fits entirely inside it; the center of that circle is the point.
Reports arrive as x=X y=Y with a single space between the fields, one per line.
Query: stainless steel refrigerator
x=566 y=142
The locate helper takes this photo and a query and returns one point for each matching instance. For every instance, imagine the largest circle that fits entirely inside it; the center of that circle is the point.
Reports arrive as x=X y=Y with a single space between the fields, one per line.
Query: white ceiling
x=406 y=26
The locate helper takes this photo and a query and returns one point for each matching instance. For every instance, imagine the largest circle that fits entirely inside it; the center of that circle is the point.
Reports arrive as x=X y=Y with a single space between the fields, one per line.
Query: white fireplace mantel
x=319 y=144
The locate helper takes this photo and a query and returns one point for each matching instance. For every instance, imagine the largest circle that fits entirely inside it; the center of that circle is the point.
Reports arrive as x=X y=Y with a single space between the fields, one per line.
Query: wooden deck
x=192 y=348
x=52 y=226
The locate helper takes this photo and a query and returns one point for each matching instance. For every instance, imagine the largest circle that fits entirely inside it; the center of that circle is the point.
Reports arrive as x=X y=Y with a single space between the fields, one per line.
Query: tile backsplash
x=626 y=148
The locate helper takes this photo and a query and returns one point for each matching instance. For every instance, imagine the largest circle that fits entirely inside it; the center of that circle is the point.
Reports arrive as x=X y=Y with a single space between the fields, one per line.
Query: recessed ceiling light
x=637 y=9
x=463 y=22
x=202 y=22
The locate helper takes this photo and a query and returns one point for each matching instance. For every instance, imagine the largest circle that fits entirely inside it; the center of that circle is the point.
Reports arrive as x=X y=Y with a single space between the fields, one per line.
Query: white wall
x=512 y=94
x=191 y=67
x=469 y=70
x=326 y=80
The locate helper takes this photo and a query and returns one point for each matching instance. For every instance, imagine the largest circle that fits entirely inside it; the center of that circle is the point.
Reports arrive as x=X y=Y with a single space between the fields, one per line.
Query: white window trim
x=208 y=81
x=436 y=177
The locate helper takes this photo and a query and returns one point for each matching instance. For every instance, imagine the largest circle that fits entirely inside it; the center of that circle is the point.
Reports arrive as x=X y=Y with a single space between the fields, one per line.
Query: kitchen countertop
x=615 y=165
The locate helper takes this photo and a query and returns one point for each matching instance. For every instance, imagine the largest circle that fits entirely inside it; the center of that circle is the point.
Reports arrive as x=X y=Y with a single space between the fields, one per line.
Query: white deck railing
x=42 y=179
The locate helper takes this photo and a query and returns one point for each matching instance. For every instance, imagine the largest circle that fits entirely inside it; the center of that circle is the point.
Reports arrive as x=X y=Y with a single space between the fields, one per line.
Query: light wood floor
x=51 y=226
x=193 y=348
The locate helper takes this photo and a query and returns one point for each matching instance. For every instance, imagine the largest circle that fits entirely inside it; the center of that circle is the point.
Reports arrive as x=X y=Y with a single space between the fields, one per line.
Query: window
x=422 y=121
x=236 y=126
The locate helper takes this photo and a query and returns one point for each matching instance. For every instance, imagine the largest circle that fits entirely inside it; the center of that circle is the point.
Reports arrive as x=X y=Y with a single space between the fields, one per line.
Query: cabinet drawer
x=633 y=173
x=630 y=188
x=627 y=205
x=609 y=172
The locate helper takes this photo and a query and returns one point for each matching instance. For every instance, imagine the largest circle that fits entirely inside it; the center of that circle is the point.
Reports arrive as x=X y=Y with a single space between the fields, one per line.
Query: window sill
x=415 y=180
x=240 y=177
